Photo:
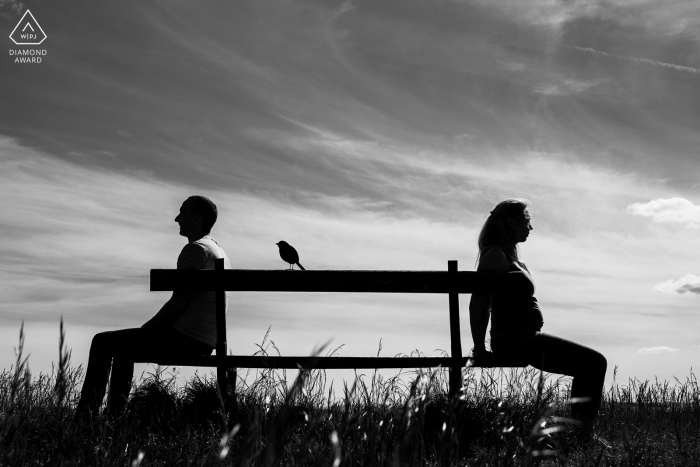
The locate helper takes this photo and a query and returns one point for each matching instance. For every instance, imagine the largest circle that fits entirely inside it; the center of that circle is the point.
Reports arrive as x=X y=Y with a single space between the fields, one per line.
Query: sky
x=369 y=135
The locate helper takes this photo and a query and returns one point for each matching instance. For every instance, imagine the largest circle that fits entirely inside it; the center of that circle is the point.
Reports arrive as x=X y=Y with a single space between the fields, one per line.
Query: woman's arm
x=479 y=319
x=494 y=260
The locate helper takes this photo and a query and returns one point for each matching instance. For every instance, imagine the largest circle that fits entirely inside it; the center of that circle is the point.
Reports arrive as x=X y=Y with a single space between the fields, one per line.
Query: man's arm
x=192 y=256
x=170 y=310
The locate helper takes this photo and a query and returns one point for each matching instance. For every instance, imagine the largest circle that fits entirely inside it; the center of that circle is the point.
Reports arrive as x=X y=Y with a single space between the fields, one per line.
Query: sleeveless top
x=516 y=309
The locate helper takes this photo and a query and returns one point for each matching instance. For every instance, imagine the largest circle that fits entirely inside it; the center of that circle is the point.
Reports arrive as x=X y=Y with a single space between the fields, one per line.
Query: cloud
x=565 y=87
x=688 y=283
x=657 y=349
x=678 y=210
x=673 y=66
x=13 y=6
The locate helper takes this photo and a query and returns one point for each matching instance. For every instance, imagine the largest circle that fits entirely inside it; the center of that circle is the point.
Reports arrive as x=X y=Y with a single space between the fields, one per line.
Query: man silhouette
x=185 y=325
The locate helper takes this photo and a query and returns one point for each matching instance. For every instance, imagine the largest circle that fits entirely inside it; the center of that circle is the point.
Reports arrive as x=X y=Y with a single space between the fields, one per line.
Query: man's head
x=197 y=216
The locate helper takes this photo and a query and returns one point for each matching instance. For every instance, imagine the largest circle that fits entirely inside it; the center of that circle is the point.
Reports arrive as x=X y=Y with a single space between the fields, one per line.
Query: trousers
x=116 y=352
x=557 y=355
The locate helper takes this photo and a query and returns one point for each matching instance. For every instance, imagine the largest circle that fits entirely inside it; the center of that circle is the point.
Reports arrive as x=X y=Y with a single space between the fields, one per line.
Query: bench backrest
x=261 y=280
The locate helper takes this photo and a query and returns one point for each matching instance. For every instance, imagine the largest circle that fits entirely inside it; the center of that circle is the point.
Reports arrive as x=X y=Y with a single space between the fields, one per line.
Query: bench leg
x=221 y=367
x=455 y=338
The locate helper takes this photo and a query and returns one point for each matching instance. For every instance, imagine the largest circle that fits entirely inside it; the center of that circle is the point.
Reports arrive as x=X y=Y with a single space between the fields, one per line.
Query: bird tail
x=301 y=267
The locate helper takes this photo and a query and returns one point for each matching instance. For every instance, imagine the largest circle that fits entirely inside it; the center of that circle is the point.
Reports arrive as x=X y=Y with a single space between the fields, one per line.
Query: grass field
x=502 y=418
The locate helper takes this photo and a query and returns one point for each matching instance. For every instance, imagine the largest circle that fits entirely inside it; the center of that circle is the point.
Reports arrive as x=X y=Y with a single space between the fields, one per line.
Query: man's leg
x=120 y=383
x=119 y=350
x=102 y=350
x=149 y=344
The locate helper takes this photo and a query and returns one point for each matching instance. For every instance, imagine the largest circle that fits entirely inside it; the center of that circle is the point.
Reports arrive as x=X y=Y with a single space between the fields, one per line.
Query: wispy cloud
x=688 y=283
x=687 y=69
x=658 y=349
x=679 y=210
x=565 y=87
x=13 y=6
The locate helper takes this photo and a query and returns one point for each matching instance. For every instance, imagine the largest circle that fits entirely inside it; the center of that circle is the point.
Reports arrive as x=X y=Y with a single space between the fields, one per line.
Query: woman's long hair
x=497 y=232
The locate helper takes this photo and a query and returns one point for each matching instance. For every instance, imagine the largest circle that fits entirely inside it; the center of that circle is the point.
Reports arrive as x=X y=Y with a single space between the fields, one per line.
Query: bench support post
x=455 y=339
x=220 y=332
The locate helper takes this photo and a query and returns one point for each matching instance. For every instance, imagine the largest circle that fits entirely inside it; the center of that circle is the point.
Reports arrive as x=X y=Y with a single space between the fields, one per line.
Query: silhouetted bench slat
x=220 y=280
x=339 y=363
x=261 y=280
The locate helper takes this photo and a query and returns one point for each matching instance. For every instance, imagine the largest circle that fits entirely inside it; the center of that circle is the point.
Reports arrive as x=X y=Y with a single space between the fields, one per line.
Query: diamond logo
x=28 y=31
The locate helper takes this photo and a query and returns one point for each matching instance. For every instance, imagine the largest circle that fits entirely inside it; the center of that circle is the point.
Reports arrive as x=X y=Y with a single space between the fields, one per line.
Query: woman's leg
x=587 y=366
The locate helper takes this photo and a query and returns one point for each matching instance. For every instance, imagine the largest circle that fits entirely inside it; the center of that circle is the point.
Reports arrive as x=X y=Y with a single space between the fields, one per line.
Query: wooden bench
x=220 y=280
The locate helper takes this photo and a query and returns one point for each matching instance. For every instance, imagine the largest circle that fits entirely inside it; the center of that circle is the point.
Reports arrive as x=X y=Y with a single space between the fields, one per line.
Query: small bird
x=289 y=254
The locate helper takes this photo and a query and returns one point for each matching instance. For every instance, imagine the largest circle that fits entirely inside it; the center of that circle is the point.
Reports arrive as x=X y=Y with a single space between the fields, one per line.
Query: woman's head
x=507 y=225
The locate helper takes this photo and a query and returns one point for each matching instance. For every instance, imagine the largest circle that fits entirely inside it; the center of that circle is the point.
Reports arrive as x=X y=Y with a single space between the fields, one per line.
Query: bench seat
x=272 y=362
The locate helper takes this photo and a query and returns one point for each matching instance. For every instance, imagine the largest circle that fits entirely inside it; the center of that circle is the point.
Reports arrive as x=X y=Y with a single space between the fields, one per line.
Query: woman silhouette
x=516 y=319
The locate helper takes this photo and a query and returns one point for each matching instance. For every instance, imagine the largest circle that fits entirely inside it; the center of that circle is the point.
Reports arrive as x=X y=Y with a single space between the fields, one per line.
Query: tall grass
x=503 y=417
